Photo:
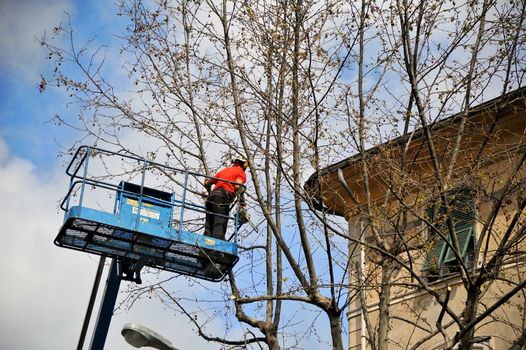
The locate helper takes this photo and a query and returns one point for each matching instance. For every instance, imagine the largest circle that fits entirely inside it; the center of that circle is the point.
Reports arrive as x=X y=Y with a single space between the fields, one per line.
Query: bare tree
x=294 y=86
x=440 y=76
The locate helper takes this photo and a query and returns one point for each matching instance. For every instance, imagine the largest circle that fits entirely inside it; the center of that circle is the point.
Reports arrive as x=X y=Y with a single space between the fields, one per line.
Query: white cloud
x=45 y=289
x=41 y=290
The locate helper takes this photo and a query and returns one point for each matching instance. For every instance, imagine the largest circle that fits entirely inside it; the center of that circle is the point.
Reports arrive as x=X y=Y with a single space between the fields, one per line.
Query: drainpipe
x=362 y=269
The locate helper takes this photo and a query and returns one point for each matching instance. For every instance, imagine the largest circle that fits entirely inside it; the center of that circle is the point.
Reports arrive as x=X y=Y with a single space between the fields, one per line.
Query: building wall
x=418 y=308
x=413 y=312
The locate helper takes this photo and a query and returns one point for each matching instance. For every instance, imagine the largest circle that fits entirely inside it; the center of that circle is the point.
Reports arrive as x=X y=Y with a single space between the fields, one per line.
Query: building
x=432 y=219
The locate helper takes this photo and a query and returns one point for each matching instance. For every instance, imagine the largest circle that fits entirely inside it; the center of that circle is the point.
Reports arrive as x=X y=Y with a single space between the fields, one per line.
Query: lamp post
x=139 y=336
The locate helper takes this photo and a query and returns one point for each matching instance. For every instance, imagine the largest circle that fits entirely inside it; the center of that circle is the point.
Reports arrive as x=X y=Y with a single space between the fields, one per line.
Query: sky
x=45 y=289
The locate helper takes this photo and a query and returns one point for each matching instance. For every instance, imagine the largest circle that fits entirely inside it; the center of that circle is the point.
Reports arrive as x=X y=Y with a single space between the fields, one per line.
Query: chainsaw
x=243 y=217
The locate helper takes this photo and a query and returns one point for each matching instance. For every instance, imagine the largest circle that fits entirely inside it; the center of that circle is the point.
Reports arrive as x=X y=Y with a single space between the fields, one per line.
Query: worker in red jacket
x=223 y=194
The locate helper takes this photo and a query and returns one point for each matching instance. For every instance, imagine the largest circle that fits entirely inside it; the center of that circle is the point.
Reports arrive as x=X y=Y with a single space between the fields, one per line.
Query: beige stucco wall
x=495 y=138
x=415 y=305
x=504 y=325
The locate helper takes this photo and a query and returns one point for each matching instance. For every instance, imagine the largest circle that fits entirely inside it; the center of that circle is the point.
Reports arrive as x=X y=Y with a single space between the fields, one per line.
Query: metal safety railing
x=182 y=206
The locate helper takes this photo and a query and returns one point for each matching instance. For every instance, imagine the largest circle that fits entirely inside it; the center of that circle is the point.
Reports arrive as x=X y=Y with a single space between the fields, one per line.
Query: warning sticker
x=136 y=203
x=149 y=213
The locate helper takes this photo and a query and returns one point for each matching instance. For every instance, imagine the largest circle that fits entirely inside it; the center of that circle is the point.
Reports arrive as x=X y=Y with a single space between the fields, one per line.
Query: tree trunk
x=383 y=307
x=470 y=313
x=520 y=342
x=336 y=331
x=272 y=340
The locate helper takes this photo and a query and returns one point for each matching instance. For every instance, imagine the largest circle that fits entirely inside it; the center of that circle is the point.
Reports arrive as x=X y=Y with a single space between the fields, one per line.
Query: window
x=440 y=259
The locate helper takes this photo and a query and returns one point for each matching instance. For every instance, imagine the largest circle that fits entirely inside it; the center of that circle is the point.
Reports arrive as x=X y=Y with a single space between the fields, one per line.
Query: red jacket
x=233 y=173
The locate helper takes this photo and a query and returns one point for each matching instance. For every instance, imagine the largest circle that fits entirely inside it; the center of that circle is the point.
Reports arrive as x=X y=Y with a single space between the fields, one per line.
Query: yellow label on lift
x=136 y=203
x=210 y=241
x=152 y=214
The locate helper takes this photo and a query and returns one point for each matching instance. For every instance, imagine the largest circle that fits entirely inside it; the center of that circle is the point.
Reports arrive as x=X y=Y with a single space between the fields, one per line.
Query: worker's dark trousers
x=217 y=208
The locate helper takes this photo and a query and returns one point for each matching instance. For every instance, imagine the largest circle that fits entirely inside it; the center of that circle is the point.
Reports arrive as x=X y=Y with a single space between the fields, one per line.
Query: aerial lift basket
x=146 y=226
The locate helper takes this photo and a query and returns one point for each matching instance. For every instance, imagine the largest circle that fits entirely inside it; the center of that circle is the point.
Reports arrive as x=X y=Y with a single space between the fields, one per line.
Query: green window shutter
x=463 y=217
x=464 y=235
x=433 y=257
x=463 y=212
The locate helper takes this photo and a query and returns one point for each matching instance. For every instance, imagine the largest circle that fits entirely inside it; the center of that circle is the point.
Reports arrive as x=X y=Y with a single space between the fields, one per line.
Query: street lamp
x=138 y=336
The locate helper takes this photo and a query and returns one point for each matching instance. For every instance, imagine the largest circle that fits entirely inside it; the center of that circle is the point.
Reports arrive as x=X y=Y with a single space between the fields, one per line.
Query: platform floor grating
x=157 y=252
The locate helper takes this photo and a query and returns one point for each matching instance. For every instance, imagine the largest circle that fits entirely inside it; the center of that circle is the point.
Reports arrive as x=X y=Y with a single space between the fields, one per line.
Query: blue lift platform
x=158 y=226
x=146 y=226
